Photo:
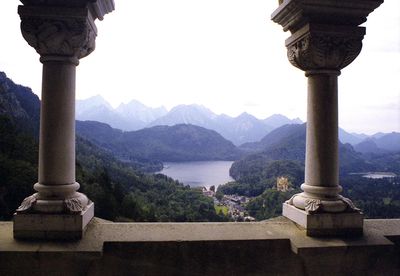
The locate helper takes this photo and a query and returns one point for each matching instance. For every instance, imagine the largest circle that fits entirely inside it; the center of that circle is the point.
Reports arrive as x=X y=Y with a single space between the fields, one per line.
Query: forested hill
x=164 y=143
x=278 y=136
x=384 y=143
x=20 y=105
x=119 y=190
x=280 y=156
x=289 y=143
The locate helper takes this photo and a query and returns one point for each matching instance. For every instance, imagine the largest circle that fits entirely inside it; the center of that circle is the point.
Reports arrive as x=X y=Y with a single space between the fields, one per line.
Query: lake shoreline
x=199 y=173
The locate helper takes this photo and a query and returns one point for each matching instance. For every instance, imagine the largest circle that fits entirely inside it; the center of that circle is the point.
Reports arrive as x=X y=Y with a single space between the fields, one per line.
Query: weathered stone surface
x=58 y=33
x=294 y=14
x=274 y=247
x=98 y=8
x=324 y=47
x=52 y=226
x=62 y=29
x=324 y=224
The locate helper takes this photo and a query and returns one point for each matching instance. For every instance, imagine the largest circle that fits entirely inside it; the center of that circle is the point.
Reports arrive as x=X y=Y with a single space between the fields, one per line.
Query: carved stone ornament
x=324 y=50
x=62 y=29
x=290 y=200
x=313 y=205
x=70 y=37
x=27 y=204
x=74 y=205
x=350 y=204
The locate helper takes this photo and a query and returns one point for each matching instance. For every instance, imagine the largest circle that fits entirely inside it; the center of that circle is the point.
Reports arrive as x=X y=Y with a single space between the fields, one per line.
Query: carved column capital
x=322 y=47
x=56 y=34
x=62 y=30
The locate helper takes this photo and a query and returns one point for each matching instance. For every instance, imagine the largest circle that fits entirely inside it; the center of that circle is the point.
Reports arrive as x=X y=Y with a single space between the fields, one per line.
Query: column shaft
x=57 y=124
x=322 y=130
x=321 y=187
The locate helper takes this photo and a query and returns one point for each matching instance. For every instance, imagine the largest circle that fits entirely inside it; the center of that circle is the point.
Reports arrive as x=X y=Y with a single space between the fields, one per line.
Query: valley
x=118 y=167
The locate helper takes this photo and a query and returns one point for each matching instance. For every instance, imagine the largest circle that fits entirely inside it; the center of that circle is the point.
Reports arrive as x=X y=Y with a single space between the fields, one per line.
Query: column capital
x=325 y=33
x=324 y=47
x=62 y=30
x=292 y=15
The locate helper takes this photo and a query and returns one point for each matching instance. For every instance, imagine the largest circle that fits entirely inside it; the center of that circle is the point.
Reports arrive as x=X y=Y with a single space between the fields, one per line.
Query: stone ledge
x=326 y=224
x=52 y=226
x=273 y=247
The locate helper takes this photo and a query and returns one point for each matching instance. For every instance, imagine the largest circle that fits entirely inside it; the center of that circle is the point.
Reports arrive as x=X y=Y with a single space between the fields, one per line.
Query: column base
x=326 y=224
x=52 y=226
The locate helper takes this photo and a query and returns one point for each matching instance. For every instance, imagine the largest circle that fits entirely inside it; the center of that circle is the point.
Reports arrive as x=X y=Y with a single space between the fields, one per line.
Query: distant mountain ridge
x=288 y=143
x=131 y=116
x=135 y=110
x=368 y=146
x=275 y=137
x=135 y=115
x=380 y=143
x=242 y=129
x=278 y=120
x=142 y=149
x=176 y=143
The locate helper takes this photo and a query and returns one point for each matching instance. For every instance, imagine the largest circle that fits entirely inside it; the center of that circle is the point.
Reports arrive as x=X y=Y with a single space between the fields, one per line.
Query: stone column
x=61 y=33
x=326 y=37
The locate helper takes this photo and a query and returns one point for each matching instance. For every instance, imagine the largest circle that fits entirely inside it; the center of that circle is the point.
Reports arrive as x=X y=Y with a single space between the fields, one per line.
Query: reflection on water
x=199 y=173
x=375 y=175
x=379 y=175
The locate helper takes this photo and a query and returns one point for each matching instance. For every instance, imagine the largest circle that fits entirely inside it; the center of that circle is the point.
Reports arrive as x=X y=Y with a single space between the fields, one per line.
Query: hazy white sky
x=225 y=54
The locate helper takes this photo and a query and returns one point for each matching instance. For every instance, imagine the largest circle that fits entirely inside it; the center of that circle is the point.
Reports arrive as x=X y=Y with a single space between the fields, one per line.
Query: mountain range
x=131 y=116
x=148 y=147
x=288 y=143
x=178 y=143
x=120 y=189
x=135 y=115
x=379 y=143
x=242 y=129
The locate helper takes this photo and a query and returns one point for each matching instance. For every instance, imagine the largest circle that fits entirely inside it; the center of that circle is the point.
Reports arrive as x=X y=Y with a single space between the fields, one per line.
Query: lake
x=199 y=173
x=375 y=175
x=379 y=175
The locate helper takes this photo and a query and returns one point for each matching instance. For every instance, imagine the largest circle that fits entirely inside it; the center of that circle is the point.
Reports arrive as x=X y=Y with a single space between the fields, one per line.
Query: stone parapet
x=273 y=247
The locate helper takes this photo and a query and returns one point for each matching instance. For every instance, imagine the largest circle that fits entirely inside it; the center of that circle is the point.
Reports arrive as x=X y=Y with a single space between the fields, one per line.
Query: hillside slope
x=163 y=143
x=289 y=143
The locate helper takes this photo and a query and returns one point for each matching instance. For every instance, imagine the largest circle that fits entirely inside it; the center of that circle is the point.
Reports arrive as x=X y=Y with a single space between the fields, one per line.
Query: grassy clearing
x=224 y=209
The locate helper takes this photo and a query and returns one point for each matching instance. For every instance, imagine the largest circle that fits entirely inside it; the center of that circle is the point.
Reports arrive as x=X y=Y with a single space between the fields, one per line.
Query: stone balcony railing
x=273 y=247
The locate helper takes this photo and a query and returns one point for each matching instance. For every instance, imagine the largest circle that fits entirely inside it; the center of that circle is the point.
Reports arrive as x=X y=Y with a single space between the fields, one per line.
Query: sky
x=224 y=54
